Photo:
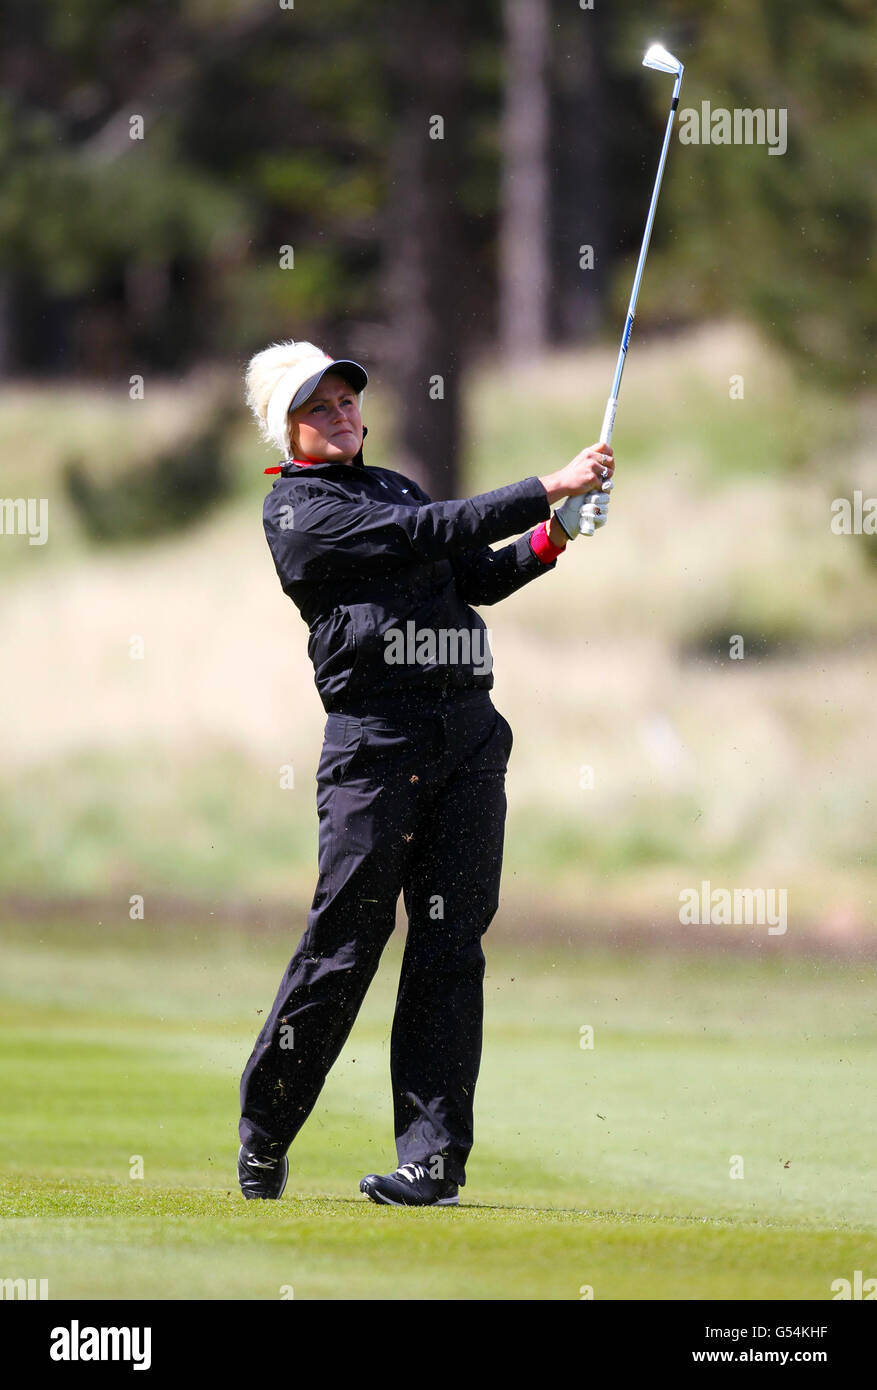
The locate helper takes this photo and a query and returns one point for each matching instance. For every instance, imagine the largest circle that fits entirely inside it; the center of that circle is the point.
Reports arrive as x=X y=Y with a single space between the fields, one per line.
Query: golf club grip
x=608 y=424
x=568 y=513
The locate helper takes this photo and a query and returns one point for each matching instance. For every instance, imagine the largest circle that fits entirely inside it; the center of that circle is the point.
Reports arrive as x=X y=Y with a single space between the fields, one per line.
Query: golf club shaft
x=568 y=513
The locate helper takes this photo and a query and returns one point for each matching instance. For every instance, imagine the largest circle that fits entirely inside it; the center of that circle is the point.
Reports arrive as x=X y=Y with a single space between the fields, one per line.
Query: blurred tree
x=583 y=198
x=524 y=272
x=423 y=240
x=787 y=239
x=95 y=219
x=308 y=128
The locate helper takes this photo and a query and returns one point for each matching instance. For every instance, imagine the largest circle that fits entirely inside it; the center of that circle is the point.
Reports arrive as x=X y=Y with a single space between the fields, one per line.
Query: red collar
x=280 y=466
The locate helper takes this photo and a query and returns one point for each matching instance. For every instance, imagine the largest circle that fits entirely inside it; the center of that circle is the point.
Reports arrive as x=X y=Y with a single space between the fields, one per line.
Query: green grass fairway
x=606 y=1168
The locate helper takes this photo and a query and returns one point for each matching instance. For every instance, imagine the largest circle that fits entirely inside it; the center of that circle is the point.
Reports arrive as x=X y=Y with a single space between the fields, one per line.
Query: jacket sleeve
x=491 y=575
x=315 y=533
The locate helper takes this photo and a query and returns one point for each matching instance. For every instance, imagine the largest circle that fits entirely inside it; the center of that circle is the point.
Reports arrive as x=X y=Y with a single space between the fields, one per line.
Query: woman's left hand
x=594 y=513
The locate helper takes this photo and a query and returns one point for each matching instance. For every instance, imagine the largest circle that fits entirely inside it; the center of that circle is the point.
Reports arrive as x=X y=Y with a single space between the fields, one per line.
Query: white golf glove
x=594 y=512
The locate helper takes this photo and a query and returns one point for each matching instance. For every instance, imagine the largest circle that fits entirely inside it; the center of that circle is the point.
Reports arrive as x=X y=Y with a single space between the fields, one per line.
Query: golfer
x=411 y=780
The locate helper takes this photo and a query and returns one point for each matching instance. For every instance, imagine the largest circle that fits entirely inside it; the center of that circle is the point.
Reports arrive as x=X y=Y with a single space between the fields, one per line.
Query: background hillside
x=162 y=774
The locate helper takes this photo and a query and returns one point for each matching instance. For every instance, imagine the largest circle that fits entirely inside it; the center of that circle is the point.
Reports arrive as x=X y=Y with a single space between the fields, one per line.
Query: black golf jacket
x=375 y=567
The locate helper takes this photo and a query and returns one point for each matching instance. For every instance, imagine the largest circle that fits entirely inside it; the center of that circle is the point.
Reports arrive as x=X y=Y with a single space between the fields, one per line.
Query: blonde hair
x=265 y=370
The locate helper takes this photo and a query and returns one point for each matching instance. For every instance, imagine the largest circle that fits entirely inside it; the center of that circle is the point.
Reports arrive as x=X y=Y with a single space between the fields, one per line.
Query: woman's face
x=328 y=427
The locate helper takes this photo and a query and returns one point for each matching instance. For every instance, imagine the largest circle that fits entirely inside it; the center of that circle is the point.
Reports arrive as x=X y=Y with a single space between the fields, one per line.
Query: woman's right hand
x=589 y=471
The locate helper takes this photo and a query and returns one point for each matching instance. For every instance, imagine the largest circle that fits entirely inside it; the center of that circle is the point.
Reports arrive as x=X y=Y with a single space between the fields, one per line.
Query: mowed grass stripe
x=607 y=1167
x=331 y=1250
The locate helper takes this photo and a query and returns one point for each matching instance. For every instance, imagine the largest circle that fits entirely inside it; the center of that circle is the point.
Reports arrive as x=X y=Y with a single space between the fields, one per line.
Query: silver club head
x=658 y=57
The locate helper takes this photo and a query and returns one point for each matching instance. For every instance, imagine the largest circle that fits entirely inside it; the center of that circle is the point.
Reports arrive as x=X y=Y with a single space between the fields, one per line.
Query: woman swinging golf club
x=411 y=780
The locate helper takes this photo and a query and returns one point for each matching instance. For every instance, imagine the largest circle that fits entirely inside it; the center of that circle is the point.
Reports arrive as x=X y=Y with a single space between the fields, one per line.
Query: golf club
x=568 y=515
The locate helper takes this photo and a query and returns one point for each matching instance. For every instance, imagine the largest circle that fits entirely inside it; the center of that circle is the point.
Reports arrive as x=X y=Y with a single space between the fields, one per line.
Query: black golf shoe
x=410 y=1186
x=261 y=1176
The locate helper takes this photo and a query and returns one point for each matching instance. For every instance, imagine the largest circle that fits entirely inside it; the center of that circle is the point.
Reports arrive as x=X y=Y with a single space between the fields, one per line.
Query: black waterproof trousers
x=412 y=803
